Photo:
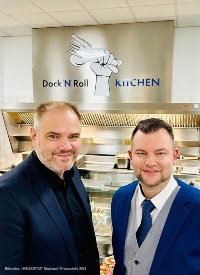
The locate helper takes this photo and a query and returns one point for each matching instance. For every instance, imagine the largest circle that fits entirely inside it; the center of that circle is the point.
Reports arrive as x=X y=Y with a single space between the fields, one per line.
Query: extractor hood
x=19 y=117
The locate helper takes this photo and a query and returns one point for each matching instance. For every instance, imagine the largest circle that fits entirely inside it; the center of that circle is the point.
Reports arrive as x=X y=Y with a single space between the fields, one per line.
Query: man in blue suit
x=45 y=216
x=171 y=242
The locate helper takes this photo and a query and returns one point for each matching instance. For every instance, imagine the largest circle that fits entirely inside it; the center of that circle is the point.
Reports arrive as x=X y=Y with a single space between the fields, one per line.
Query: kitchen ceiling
x=19 y=17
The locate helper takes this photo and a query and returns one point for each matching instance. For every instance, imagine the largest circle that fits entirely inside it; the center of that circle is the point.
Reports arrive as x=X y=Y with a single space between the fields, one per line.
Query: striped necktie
x=146 y=223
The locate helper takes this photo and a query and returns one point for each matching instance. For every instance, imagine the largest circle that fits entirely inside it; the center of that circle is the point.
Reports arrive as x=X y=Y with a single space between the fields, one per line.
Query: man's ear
x=33 y=136
x=130 y=154
x=175 y=155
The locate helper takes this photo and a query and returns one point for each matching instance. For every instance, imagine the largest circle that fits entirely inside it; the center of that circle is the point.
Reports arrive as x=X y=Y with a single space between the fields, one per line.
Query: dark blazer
x=178 y=250
x=34 y=232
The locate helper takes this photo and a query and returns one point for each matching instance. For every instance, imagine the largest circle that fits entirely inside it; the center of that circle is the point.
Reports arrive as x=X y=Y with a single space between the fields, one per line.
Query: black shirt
x=73 y=210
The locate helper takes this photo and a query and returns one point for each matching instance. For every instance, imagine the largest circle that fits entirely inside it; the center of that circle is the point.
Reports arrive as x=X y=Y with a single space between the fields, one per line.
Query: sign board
x=129 y=63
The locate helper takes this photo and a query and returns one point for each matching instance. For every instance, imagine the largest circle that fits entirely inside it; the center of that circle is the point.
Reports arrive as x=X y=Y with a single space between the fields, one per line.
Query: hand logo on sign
x=102 y=63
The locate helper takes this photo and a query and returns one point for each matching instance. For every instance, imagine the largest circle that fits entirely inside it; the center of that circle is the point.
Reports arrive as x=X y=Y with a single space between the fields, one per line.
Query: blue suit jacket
x=178 y=250
x=33 y=229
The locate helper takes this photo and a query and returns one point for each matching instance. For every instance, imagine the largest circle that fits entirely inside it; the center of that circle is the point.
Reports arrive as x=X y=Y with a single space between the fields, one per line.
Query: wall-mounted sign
x=102 y=64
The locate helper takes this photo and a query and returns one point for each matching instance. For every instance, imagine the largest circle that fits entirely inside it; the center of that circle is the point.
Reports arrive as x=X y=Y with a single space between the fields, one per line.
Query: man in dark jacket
x=45 y=216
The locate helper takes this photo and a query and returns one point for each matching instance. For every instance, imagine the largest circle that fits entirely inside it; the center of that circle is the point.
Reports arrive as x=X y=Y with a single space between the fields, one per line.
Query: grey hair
x=46 y=106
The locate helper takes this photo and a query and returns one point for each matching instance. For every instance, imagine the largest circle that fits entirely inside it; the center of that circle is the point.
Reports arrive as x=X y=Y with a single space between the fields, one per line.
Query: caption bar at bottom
x=34 y=268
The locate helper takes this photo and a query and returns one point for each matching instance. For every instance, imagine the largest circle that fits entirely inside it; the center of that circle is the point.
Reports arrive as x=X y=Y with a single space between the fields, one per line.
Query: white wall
x=15 y=85
x=186 y=65
x=16 y=76
x=18 y=69
x=1 y=68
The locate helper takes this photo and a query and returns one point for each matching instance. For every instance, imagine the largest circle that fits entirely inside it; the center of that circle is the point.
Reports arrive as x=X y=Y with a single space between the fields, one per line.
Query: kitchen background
x=16 y=84
x=19 y=17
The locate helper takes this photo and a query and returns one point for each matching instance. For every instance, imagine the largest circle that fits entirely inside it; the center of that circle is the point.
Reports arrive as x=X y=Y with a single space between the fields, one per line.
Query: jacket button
x=136 y=262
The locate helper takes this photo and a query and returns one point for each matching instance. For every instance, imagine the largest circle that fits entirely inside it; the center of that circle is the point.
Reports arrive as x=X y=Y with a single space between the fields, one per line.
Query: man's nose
x=150 y=160
x=65 y=144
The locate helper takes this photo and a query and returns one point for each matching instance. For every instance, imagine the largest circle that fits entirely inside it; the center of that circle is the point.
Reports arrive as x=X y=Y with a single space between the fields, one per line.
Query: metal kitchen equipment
x=122 y=161
x=107 y=127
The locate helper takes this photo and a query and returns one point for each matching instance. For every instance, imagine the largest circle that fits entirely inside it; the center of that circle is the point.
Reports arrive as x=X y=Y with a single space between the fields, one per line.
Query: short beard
x=51 y=165
x=163 y=179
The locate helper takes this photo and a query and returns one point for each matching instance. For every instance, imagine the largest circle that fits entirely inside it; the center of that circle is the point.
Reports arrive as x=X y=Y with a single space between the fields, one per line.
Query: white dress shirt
x=159 y=201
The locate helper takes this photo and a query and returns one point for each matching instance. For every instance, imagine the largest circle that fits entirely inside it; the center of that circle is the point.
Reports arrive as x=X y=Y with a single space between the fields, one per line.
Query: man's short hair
x=46 y=106
x=151 y=125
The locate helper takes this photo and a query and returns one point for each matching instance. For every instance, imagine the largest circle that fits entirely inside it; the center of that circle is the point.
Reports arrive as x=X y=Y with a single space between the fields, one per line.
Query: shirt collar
x=160 y=199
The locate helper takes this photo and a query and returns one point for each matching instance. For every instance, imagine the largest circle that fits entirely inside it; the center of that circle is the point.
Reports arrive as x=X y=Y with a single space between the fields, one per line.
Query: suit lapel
x=122 y=221
x=82 y=194
x=47 y=197
x=177 y=215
